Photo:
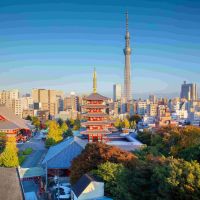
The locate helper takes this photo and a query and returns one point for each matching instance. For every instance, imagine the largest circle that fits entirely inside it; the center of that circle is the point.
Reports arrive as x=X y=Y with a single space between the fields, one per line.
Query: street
x=33 y=160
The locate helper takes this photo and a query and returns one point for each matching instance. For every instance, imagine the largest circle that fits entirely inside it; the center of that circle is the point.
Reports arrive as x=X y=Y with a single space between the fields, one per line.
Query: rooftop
x=11 y=120
x=95 y=96
x=82 y=184
x=10 y=186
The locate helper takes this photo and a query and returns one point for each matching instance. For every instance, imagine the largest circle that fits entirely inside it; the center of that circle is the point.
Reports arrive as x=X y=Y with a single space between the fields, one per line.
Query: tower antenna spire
x=94 y=81
x=126 y=21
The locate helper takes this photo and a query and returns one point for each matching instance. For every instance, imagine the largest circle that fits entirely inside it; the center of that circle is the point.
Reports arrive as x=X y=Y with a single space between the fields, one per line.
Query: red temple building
x=12 y=125
x=97 y=120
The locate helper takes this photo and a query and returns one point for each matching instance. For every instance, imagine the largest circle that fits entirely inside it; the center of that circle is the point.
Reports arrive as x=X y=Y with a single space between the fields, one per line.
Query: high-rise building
x=127 y=69
x=50 y=100
x=189 y=91
x=117 y=92
x=10 y=98
x=71 y=102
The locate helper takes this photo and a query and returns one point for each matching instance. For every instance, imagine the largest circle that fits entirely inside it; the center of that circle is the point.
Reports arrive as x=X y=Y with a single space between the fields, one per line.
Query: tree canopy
x=9 y=157
x=95 y=154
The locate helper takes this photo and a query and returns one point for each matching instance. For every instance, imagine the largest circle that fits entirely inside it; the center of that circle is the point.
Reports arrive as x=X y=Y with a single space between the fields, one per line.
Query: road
x=33 y=160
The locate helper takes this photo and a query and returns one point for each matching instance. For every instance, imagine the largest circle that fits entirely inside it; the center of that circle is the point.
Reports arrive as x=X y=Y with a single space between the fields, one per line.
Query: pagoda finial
x=126 y=21
x=94 y=81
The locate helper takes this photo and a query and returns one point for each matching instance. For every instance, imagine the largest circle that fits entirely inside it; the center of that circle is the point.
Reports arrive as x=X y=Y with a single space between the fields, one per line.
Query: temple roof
x=95 y=132
x=95 y=123
x=95 y=96
x=95 y=115
x=11 y=120
x=94 y=106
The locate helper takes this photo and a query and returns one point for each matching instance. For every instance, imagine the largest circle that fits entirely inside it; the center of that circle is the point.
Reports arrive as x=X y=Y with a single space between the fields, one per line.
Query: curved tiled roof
x=95 y=123
x=61 y=155
x=95 y=115
x=11 y=119
x=95 y=96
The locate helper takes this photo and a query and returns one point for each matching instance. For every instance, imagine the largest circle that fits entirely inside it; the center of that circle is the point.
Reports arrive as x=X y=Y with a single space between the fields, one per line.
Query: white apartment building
x=141 y=107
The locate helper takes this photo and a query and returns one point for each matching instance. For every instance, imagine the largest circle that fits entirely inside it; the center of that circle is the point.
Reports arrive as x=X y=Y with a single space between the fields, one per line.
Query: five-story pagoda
x=97 y=120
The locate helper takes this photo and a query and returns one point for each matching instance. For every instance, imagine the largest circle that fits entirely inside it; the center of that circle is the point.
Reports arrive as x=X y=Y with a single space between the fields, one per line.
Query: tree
x=133 y=124
x=36 y=122
x=77 y=124
x=118 y=123
x=68 y=133
x=2 y=141
x=50 y=142
x=60 y=121
x=178 y=179
x=55 y=133
x=95 y=154
x=29 y=118
x=109 y=173
x=135 y=118
x=126 y=123
x=9 y=157
x=64 y=127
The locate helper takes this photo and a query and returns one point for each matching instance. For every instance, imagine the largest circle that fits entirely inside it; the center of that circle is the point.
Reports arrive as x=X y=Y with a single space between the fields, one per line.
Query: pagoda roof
x=95 y=96
x=94 y=106
x=95 y=115
x=95 y=132
x=95 y=123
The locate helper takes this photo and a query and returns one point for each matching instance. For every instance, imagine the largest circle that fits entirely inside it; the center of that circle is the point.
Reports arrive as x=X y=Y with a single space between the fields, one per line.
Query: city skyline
x=42 y=41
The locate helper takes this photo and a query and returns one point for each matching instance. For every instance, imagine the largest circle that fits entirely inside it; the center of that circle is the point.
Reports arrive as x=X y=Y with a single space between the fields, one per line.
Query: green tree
x=9 y=157
x=29 y=118
x=77 y=124
x=68 y=133
x=178 y=179
x=50 y=142
x=60 y=121
x=109 y=173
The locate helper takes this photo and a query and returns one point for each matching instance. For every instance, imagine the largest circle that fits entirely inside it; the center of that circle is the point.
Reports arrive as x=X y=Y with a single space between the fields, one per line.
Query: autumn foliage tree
x=55 y=134
x=95 y=154
x=9 y=157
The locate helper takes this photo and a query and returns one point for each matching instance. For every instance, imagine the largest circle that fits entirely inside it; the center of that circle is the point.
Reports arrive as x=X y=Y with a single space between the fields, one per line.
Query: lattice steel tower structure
x=127 y=68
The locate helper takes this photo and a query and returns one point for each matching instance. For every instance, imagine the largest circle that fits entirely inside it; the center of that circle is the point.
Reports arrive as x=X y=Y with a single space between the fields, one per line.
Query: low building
x=10 y=185
x=59 y=157
x=88 y=187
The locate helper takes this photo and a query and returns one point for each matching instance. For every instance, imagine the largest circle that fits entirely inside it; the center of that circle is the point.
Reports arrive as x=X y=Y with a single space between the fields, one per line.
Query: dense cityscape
x=57 y=144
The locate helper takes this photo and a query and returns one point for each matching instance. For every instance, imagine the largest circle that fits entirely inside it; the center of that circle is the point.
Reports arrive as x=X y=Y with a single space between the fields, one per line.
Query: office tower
x=50 y=100
x=189 y=91
x=71 y=102
x=127 y=69
x=117 y=92
x=10 y=98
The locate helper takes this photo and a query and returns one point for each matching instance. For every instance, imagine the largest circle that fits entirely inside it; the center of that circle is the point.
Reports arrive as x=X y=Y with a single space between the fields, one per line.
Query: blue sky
x=57 y=43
